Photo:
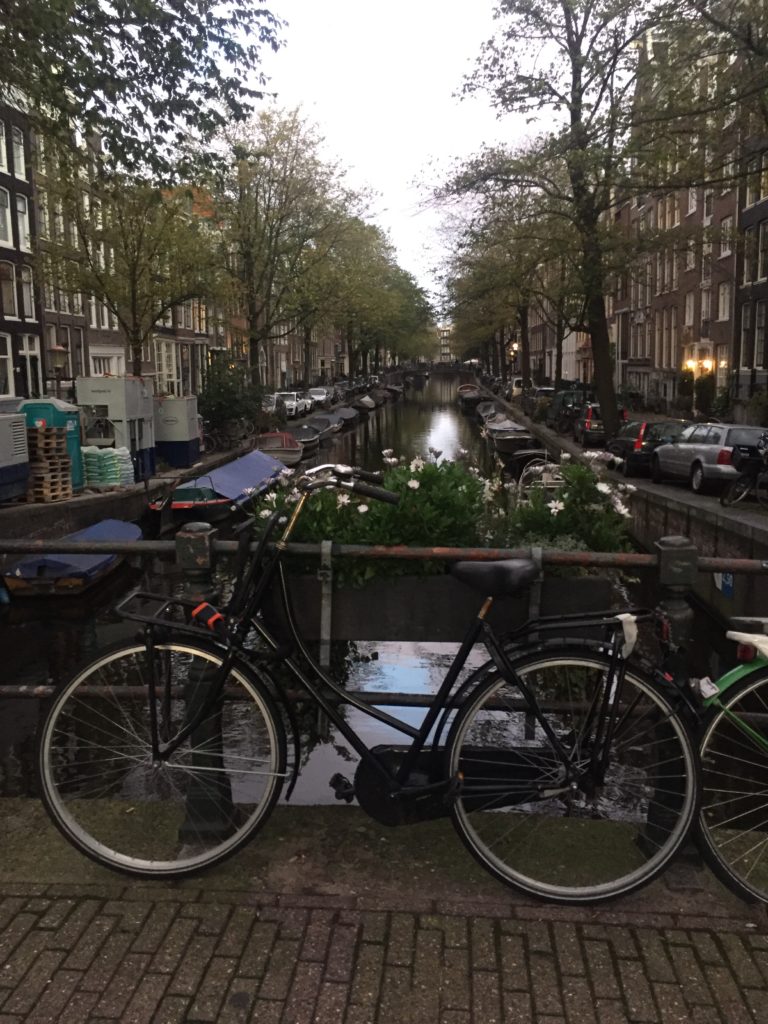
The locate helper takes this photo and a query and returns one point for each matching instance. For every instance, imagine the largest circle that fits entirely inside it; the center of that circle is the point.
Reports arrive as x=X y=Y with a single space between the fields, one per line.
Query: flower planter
x=433 y=608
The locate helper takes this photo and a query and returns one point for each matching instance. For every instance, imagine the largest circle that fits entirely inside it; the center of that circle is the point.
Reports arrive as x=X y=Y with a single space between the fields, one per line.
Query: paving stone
x=300 y=1005
x=341 y=954
x=401 y=939
x=276 y=982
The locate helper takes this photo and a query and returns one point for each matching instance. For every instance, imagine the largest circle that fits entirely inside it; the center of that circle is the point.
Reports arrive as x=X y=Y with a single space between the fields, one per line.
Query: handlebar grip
x=367 y=475
x=374 y=492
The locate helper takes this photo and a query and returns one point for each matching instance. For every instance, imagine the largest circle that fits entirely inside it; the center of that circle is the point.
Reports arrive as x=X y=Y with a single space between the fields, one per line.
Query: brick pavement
x=164 y=955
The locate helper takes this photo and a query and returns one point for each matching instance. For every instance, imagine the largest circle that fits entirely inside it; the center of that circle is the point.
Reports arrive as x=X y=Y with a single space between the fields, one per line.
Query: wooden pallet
x=47 y=441
x=40 y=492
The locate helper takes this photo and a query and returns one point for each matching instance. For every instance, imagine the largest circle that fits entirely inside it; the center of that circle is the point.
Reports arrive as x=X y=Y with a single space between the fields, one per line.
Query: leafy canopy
x=149 y=76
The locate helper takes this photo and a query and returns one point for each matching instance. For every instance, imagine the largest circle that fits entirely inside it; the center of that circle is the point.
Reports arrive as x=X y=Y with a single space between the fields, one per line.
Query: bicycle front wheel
x=571 y=834
x=737 y=490
x=153 y=816
x=733 y=823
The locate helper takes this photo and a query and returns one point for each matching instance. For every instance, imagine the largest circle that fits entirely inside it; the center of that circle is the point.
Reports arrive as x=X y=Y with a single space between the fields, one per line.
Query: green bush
x=757 y=408
x=704 y=389
x=227 y=394
x=722 y=407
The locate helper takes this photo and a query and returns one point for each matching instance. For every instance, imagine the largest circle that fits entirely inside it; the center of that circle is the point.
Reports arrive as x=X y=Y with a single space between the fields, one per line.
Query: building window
x=709 y=198
x=706 y=262
x=8 y=300
x=92 y=314
x=726 y=236
x=760 y=334
x=690 y=256
x=19 y=163
x=692 y=198
x=689 y=309
x=102 y=366
x=750 y=256
x=22 y=219
x=27 y=294
x=729 y=171
x=6 y=366
x=675 y=269
x=5 y=217
x=673 y=338
x=753 y=181
x=43 y=214
x=746 y=333
x=3 y=154
x=31 y=371
x=724 y=300
x=76 y=351
x=762 y=255
x=706 y=303
x=64 y=303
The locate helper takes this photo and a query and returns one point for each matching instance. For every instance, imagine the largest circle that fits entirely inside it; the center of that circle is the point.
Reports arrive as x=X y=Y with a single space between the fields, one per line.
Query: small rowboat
x=59 y=575
x=308 y=438
x=281 y=445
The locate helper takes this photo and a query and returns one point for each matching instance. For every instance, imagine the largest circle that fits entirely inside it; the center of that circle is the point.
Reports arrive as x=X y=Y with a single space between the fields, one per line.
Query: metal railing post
x=196 y=557
x=678 y=568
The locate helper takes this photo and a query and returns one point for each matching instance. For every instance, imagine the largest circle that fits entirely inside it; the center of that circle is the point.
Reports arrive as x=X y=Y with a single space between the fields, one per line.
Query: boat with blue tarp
x=215 y=495
x=51 y=575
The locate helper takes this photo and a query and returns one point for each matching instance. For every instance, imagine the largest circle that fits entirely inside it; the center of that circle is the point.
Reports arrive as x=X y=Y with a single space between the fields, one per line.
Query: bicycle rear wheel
x=737 y=490
x=581 y=839
x=733 y=822
x=166 y=818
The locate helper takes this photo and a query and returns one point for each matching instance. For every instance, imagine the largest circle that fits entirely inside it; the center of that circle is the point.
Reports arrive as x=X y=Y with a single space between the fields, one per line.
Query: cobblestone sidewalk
x=144 y=954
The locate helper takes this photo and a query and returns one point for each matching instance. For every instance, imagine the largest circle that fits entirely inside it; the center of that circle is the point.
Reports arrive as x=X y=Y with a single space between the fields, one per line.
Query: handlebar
x=352 y=478
x=378 y=493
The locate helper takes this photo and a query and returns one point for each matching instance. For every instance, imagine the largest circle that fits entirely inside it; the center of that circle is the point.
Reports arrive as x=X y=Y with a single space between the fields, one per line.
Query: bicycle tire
x=737 y=490
x=210 y=444
x=734 y=772
x=564 y=425
x=561 y=844
x=761 y=489
x=102 y=790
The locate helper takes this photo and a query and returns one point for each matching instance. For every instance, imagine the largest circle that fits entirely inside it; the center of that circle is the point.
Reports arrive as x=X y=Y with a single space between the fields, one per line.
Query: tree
x=139 y=250
x=284 y=209
x=145 y=75
x=578 y=66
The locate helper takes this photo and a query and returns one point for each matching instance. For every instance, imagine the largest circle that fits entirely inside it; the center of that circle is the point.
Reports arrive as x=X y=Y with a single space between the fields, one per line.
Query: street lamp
x=58 y=355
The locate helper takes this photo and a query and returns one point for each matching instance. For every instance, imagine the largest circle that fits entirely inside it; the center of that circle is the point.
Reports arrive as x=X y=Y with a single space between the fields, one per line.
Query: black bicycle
x=568 y=775
x=752 y=478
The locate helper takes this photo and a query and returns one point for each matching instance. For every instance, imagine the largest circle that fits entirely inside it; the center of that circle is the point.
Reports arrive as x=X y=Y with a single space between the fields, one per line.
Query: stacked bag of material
x=107 y=467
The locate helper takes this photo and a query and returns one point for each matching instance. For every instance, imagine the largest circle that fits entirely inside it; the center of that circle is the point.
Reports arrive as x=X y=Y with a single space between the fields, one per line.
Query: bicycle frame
x=317 y=683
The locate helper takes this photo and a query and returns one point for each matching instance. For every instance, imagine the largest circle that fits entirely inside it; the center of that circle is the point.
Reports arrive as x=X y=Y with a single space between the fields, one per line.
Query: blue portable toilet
x=53 y=412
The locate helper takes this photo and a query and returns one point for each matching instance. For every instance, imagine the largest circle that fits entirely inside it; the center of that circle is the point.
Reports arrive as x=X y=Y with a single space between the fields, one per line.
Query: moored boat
x=348 y=416
x=308 y=438
x=280 y=445
x=222 y=491
x=324 y=426
x=73 y=574
x=507 y=442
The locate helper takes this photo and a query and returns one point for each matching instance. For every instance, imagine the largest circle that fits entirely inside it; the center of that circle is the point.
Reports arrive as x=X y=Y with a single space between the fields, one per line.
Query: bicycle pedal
x=342 y=788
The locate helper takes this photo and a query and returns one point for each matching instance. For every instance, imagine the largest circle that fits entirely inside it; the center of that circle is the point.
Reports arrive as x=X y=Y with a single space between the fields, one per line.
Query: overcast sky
x=379 y=80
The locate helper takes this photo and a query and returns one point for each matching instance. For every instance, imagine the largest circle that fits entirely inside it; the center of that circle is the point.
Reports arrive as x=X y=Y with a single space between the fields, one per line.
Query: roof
x=239 y=479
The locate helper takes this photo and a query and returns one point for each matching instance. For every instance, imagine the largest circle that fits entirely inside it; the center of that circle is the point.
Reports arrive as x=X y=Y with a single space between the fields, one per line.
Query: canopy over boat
x=241 y=478
x=81 y=568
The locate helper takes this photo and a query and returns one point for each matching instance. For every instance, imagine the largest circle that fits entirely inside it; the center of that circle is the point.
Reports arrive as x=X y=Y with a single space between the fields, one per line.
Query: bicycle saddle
x=494 y=579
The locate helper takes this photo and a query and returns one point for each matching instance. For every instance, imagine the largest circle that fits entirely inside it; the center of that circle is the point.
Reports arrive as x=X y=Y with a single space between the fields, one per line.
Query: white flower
x=565 y=456
x=604 y=488
x=249 y=491
x=271 y=497
x=627 y=488
x=388 y=453
x=621 y=508
x=391 y=461
x=413 y=484
x=286 y=472
x=417 y=464
x=265 y=513
x=342 y=500
x=556 y=507
x=293 y=497
x=362 y=508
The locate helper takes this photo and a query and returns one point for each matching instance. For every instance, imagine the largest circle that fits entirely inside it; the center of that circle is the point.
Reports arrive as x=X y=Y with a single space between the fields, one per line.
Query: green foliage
x=685 y=384
x=722 y=407
x=227 y=395
x=449 y=505
x=757 y=408
x=148 y=77
x=704 y=389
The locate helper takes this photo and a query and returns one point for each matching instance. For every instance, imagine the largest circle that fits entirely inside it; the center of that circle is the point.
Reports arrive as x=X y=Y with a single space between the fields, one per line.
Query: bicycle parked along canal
x=752 y=478
x=570 y=778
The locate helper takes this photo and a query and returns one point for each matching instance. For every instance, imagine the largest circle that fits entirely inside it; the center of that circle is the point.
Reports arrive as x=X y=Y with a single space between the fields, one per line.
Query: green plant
x=685 y=383
x=722 y=407
x=757 y=408
x=704 y=389
x=449 y=505
x=228 y=395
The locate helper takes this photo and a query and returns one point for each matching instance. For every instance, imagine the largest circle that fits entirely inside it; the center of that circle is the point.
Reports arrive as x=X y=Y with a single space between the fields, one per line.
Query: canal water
x=45 y=641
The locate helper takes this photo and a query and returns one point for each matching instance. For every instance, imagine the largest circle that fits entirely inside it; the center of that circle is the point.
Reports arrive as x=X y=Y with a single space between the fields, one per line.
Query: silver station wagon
x=703 y=454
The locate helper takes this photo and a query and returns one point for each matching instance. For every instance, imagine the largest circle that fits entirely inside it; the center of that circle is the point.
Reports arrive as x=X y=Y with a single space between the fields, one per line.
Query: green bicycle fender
x=725 y=682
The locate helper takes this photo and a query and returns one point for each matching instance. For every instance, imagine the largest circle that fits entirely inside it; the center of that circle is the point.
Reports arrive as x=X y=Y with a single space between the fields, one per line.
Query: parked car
x=637 y=440
x=703 y=454
x=273 y=405
x=294 y=403
x=563 y=408
x=309 y=401
x=588 y=429
x=322 y=396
